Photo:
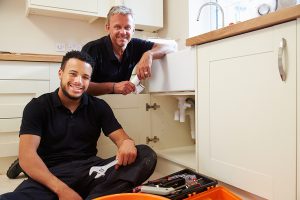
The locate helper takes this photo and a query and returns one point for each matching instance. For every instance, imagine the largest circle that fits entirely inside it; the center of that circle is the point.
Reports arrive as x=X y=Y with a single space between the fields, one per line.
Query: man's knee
x=146 y=151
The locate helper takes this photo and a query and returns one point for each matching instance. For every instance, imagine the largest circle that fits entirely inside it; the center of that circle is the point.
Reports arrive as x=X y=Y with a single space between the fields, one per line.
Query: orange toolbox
x=216 y=193
x=188 y=185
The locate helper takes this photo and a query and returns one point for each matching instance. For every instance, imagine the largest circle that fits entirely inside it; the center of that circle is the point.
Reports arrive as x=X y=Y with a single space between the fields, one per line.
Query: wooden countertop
x=273 y=18
x=30 y=57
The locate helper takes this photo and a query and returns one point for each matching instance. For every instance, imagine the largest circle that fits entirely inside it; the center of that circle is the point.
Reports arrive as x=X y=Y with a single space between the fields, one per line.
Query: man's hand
x=66 y=193
x=124 y=87
x=127 y=153
x=143 y=67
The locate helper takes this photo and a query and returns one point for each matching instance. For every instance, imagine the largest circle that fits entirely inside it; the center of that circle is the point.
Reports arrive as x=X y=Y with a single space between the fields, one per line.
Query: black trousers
x=76 y=175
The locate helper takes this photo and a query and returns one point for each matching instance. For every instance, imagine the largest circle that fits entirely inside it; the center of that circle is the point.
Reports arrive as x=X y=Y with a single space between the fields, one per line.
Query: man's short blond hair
x=123 y=10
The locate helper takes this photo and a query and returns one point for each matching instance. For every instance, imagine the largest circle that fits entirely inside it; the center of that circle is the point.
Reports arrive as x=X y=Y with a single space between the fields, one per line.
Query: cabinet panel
x=24 y=70
x=175 y=142
x=130 y=110
x=148 y=15
x=10 y=125
x=36 y=88
x=12 y=104
x=90 y=6
x=247 y=114
x=9 y=136
x=74 y=9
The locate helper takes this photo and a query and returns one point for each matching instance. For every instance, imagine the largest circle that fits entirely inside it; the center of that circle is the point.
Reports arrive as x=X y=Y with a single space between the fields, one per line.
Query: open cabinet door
x=130 y=110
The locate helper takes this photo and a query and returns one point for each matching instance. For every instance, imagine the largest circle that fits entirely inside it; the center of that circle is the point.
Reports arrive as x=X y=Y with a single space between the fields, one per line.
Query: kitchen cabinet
x=246 y=114
x=19 y=83
x=148 y=15
x=76 y=9
x=173 y=139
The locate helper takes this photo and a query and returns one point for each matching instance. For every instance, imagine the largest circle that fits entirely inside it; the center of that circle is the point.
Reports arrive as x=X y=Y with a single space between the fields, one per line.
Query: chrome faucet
x=212 y=4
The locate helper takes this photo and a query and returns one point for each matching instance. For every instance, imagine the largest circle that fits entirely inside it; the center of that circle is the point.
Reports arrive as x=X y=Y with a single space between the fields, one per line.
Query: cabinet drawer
x=12 y=105
x=9 y=143
x=175 y=72
x=12 y=70
x=15 y=94
x=35 y=88
x=9 y=149
x=10 y=125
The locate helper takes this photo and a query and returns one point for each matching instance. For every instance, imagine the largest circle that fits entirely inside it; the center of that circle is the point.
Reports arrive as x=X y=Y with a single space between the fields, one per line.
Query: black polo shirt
x=108 y=68
x=67 y=136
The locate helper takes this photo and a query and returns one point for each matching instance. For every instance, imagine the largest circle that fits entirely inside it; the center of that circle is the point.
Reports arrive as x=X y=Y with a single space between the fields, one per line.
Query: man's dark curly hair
x=78 y=55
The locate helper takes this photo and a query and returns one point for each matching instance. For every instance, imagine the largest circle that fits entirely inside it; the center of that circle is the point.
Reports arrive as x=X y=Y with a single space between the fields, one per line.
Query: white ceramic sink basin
x=175 y=72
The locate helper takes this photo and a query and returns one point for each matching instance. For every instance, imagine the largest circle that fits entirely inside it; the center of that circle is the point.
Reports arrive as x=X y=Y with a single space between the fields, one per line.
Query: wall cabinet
x=77 y=9
x=148 y=14
x=247 y=115
x=19 y=83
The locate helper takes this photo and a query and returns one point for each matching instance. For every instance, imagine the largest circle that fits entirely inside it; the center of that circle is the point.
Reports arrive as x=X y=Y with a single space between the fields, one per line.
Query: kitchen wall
x=175 y=21
x=40 y=34
x=180 y=20
x=242 y=10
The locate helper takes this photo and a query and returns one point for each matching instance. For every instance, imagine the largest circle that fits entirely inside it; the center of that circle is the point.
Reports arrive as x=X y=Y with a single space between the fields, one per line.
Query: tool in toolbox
x=100 y=170
x=167 y=190
x=179 y=185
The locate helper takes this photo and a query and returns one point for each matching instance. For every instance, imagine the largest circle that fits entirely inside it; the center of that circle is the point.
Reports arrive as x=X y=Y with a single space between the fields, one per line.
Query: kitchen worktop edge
x=274 y=18
x=30 y=57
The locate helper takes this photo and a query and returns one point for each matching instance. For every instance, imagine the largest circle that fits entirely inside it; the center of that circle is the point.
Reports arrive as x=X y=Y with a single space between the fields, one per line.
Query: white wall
x=175 y=21
x=180 y=20
x=39 y=34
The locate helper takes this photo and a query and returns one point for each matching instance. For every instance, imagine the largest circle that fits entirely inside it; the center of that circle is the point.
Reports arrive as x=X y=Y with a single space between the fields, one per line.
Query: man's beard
x=68 y=95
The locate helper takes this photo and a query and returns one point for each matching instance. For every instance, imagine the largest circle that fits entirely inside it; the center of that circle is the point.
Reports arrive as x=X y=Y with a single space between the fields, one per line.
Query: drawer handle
x=282 y=45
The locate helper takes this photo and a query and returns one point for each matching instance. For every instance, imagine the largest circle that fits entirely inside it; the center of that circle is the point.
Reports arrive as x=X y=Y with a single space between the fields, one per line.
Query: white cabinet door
x=90 y=6
x=174 y=138
x=77 y=9
x=130 y=110
x=148 y=14
x=247 y=114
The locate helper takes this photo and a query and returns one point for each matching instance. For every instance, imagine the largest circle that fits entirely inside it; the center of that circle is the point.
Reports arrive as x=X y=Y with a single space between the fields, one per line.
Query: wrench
x=100 y=170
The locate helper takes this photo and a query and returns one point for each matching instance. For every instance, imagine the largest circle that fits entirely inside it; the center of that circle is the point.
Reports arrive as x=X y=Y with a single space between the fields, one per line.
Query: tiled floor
x=8 y=185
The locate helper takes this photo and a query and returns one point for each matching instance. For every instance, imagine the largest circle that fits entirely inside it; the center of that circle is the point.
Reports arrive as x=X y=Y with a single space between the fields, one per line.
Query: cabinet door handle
x=282 y=45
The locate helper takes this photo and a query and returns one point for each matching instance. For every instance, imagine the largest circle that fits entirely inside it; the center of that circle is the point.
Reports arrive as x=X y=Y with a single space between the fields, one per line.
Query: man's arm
x=127 y=151
x=124 y=87
x=33 y=165
x=143 y=68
